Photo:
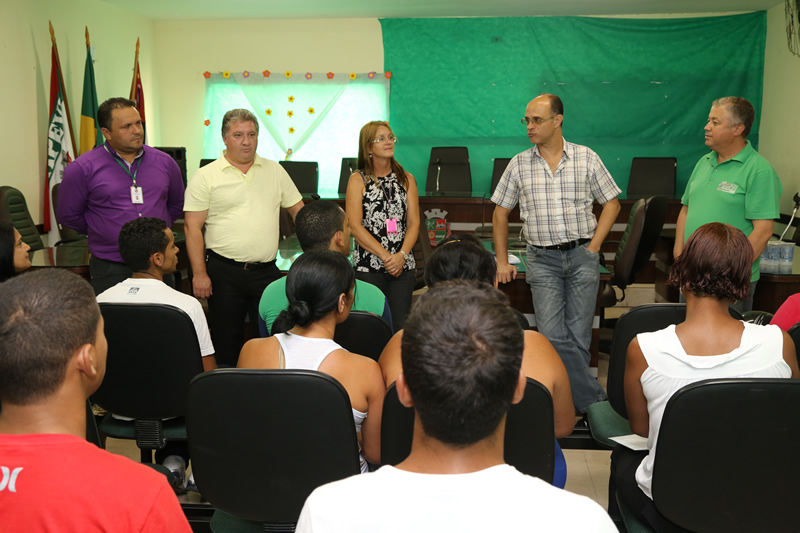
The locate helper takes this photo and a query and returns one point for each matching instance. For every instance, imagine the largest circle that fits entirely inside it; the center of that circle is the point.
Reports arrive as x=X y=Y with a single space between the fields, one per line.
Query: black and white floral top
x=386 y=200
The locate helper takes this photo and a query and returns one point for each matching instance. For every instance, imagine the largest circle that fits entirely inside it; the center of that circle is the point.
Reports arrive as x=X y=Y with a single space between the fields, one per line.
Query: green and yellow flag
x=90 y=135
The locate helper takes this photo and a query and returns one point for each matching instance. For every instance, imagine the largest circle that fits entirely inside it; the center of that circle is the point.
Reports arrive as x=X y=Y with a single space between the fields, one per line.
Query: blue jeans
x=564 y=287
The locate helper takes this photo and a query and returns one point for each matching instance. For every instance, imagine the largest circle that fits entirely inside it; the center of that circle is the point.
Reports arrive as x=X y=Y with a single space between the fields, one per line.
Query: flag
x=91 y=135
x=60 y=141
x=137 y=93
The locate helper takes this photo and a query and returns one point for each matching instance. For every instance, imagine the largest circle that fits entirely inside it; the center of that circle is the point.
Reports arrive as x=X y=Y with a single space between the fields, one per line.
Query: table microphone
x=794 y=212
x=438 y=171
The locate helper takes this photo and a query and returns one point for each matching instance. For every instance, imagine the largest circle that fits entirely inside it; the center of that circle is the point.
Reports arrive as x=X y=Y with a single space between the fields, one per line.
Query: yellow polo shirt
x=243 y=209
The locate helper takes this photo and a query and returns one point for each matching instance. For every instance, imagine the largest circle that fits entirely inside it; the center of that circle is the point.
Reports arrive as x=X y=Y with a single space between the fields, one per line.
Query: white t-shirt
x=153 y=291
x=495 y=499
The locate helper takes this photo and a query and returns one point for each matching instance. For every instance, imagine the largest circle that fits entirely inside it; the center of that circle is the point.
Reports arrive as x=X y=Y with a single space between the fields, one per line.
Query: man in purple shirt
x=115 y=183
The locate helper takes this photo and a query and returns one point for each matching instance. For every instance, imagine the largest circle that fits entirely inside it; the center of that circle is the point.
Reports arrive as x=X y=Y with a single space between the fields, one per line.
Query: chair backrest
x=67 y=234
x=529 y=439
x=727 y=456
x=204 y=162
x=348 y=167
x=652 y=176
x=363 y=333
x=640 y=319
x=153 y=354
x=262 y=440
x=500 y=164
x=178 y=154
x=639 y=239
x=304 y=174
x=14 y=209
x=794 y=333
x=451 y=165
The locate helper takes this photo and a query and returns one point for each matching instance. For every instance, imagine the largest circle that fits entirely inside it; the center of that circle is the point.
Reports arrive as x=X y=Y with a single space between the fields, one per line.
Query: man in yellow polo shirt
x=238 y=199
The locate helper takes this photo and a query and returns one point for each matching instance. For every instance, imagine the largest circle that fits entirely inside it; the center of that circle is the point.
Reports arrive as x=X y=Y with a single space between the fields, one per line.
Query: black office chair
x=747 y=484
x=68 y=235
x=363 y=333
x=153 y=353
x=635 y=247
x=292 y=432
x=500 y=164
x=14 y=209
x=529 y=439
x=304 y=174
x=448 y=170
x=348 y=167
x=204 y=162
x=652 y=176
x=759 y=318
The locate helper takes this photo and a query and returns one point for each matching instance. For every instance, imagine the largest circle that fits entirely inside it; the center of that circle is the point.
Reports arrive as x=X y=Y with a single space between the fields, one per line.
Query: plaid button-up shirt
x=556 y=207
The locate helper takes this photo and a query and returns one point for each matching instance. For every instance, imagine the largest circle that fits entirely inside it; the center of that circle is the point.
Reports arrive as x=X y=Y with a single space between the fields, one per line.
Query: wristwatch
x=406 y=257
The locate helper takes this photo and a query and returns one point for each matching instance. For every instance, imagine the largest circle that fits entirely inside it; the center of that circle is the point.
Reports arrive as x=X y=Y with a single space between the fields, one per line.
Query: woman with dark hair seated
x=320 y=292
x=13 y=252
x=464 y=257
x=712 y=272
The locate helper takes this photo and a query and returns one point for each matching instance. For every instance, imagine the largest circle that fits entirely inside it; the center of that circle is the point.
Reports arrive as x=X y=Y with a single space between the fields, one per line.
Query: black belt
x=244 y=266
x=564 y=245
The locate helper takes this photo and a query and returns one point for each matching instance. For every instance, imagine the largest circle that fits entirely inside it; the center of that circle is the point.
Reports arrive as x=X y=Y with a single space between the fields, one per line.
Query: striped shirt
x=556 y=208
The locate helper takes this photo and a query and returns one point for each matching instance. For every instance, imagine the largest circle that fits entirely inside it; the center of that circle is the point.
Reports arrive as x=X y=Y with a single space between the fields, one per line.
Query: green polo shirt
x=368 y=297
x=736 y=192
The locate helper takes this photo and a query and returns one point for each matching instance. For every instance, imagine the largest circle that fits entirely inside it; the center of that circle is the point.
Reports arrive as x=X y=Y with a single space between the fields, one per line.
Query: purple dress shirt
x=95 y=195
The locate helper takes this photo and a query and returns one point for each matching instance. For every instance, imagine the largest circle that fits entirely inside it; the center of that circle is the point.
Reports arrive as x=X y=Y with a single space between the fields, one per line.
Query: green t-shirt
x=368 y=297
x=736 y=192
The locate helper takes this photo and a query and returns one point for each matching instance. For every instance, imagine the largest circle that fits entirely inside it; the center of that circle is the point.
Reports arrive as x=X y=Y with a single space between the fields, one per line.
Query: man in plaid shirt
x=555 y=183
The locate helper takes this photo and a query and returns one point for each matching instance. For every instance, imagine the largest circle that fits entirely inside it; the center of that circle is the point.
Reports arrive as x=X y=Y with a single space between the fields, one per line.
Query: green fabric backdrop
x=630 y=87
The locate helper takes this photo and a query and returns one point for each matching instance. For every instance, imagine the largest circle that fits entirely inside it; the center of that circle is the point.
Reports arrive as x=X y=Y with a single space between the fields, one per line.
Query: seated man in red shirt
x=52 y=358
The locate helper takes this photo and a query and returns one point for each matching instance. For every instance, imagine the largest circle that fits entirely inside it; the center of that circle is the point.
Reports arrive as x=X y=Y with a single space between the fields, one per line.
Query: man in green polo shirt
x=733 y=184
x=322 y=225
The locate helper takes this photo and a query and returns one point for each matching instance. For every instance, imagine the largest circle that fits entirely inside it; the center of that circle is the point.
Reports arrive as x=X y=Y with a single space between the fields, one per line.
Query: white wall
x=186 y=49
x=780 y=113
x=25 y=84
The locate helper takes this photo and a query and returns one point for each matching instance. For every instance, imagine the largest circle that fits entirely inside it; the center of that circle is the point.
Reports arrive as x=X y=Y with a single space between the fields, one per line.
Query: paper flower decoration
x=288 y=73
x=206 y=74
x=387 y=74
x=226 y=74
x=246 y=74
x=268 y=112
x=266 y=73
x=371 y=75
x=330 y=75
x=206 y=122
x=291 y=98
x=308 y=75
x=310 y=110
x=291 y=130
x=289 y=152
x=352 y=75
x=290 y=114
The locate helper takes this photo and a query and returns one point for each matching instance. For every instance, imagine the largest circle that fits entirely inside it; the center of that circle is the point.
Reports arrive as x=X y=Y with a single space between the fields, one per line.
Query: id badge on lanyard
x=137 y=196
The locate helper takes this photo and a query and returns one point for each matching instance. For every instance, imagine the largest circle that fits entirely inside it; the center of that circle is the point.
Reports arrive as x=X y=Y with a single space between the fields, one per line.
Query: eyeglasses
x=536 y=120
x=390 y=138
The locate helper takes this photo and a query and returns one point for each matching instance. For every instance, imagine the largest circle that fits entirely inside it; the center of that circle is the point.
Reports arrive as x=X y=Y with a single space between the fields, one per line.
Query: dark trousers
x=624 y=463
x=236 y=292
x=398 y=292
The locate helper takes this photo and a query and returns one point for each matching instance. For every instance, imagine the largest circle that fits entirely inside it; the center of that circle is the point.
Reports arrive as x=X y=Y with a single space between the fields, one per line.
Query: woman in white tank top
x=713 y=271
x=320 y=288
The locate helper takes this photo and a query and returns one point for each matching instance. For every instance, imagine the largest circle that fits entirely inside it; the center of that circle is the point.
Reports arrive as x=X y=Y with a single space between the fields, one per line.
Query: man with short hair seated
x=148 y=248
x=322 y=225
x=52 y=358
x=462 y=353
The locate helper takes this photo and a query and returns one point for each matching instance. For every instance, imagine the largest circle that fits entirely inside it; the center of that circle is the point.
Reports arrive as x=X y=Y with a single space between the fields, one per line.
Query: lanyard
x=125 y=167
x=388 y=200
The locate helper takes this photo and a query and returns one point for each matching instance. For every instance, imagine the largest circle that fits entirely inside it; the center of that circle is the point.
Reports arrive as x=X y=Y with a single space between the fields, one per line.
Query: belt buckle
x=246 y=265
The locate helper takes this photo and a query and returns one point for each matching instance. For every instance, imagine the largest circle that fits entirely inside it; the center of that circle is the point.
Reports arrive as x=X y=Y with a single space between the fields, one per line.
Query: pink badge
x=391 y=225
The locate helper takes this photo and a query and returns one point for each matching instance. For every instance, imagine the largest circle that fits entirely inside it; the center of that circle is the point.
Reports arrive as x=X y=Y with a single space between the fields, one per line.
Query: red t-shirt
x=52 y=482
x=788 y=314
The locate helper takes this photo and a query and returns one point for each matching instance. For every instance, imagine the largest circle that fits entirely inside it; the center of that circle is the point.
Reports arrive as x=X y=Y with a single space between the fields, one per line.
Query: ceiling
x=260 y=9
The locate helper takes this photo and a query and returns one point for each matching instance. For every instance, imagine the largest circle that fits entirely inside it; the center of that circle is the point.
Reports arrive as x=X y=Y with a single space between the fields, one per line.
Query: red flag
x=137 y=93
x=60 y=141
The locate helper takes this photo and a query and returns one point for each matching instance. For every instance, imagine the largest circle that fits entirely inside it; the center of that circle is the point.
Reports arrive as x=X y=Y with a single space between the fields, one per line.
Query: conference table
x=73 y=258
x=517 y=290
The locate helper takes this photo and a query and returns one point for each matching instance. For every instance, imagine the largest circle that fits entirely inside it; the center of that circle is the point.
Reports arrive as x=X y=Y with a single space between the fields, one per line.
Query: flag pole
x=135 y=70
x=63 y=91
